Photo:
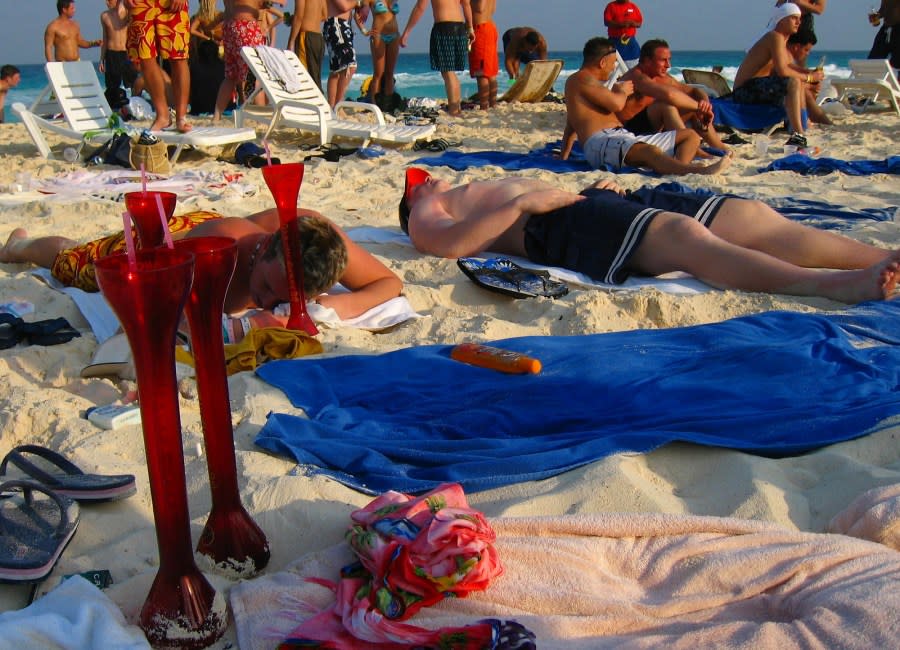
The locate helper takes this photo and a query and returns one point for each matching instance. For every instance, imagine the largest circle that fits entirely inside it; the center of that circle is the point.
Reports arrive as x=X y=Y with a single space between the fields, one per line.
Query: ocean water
x=415 y=78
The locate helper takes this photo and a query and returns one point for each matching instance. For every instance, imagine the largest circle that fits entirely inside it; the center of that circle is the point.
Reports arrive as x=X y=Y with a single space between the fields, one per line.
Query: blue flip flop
x=70 y=481
x=36 y=525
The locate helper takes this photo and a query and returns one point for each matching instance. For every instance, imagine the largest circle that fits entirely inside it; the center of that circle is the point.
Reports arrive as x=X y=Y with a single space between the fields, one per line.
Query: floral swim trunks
x=235 y=35
x=155 y=29
x=74 y=267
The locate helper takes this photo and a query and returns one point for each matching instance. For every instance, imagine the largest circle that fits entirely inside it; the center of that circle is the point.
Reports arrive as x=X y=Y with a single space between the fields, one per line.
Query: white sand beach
x=43 y=397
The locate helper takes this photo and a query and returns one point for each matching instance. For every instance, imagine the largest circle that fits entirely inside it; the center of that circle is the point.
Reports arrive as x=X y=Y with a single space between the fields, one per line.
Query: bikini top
x=381 y=8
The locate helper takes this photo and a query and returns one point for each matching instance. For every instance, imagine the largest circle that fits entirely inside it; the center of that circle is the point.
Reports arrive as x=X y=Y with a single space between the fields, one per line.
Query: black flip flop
x=34 y=531
x=505 y=276
x=10 y=330
x=48 y=332
x=71 y=481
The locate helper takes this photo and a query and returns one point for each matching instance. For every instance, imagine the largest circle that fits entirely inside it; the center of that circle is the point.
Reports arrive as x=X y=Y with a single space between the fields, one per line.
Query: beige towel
x=623 y=580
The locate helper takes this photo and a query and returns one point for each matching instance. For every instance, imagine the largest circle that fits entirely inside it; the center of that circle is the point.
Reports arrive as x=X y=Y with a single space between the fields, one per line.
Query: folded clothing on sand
x=753 y=384
x=807 y=165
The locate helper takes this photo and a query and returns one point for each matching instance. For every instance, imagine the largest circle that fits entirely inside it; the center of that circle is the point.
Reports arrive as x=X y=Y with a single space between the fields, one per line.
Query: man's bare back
x=760 y=59
x=243 y=9
x=483 y=10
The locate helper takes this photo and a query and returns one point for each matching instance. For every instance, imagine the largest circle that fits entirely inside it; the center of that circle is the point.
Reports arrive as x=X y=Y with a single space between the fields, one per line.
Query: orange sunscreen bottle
x=486 y=356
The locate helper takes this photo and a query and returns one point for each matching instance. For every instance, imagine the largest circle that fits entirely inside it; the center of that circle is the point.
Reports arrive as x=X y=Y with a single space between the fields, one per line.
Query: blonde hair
x=208 y=11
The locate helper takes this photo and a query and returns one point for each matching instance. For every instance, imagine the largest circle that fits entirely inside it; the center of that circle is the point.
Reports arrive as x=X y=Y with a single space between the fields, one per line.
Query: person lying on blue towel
x=609 y=234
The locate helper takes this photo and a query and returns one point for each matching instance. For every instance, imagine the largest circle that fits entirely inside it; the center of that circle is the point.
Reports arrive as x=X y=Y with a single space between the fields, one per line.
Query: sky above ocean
x=567 y=24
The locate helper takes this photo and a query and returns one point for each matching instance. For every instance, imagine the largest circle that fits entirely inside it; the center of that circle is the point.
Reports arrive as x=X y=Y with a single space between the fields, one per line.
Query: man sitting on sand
x=608 y=234
x=661 y=102
x=591 y=110
x=259 y=282
x=766 y=77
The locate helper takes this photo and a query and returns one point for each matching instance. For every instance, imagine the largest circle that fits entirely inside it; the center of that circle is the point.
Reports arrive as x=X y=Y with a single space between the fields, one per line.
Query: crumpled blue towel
x=828 y=216
x=811 y=166
x=776 y=384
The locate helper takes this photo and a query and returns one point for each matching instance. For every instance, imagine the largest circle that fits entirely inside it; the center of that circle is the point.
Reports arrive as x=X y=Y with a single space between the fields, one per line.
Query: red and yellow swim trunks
x=156 y=29
x=74 y=267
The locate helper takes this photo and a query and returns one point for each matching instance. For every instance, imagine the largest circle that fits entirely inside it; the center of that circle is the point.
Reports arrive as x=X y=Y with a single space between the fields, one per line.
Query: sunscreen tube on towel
x=486 y=356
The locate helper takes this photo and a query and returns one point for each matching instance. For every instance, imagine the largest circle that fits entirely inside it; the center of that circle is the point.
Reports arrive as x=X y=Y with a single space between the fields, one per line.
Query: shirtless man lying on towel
x=259 y=282
x=608 y=234
x=591 y=110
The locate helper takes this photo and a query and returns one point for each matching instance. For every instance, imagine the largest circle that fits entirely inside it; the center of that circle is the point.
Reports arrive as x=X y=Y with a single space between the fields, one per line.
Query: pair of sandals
x=438 y=144
x=13 y=330
x=39 y=511
x=328 y=151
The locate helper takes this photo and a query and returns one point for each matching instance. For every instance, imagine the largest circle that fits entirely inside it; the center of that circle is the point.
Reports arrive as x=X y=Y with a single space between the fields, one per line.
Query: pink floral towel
x=412 y=553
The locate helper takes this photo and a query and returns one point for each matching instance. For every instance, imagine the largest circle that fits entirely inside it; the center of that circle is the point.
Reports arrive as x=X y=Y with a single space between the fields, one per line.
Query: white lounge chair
x=297 y=102
x=85 y=117
x=871 y=79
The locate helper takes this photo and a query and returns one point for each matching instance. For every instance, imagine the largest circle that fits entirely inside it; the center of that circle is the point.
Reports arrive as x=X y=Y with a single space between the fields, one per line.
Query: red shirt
x=616 y=12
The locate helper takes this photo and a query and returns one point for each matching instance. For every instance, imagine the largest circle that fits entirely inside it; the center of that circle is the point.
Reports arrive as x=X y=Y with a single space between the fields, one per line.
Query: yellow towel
x=261 y=345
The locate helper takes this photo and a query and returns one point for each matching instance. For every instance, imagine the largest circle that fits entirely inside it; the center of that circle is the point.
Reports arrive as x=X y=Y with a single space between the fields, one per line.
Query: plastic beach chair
x=712 y=83
x=86 y=114
x=872 y=80
x=297 y=102
x=535 y=81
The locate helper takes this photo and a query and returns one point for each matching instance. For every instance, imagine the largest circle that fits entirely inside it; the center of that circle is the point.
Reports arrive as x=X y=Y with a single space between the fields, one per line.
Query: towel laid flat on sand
x=806 y=165
x=623 y=580
x=104 y=324
x=411 y=419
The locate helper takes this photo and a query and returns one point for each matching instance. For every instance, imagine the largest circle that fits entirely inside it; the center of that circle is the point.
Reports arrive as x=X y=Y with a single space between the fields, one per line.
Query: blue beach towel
x=775 y=384
x=748 y=117
x=542 y=158
x=815 y=166
x=827 y=216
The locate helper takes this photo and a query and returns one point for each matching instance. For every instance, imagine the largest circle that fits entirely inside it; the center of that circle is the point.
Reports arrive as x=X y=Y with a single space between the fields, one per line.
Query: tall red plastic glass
x=284 y=182
x=182 y=609
x=145 y=214
x=231 y=539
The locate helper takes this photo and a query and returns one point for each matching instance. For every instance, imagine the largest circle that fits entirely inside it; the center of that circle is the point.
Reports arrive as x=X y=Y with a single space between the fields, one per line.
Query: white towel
x=675 y=283
x=104 y=323
x=75 y=615
x=279 y=67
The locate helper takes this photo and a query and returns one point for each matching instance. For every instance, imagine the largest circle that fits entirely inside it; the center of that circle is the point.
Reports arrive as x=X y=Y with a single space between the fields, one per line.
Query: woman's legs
x=378 y=62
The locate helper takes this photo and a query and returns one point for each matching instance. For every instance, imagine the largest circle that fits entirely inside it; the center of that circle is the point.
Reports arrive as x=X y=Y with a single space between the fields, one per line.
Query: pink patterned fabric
x=413 y=552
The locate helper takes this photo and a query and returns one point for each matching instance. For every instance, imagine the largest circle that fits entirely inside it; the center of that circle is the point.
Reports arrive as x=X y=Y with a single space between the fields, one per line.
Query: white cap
x=781 y=12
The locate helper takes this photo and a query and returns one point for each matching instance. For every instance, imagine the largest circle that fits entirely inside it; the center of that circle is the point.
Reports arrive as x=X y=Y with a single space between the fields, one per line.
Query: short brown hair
x=324 y=253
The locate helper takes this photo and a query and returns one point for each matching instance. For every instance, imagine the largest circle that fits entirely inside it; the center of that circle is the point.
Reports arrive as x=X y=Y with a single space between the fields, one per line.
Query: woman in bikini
x=384 y=41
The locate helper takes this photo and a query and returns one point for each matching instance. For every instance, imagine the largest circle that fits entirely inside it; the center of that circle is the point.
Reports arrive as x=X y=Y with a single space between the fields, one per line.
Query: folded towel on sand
x=75 y=615
x=625 y=580
x=104 y=323
x=414 y=418
x=806 y=165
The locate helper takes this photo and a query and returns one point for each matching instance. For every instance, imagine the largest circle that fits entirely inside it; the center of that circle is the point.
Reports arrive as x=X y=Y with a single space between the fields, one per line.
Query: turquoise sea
x=416 y=79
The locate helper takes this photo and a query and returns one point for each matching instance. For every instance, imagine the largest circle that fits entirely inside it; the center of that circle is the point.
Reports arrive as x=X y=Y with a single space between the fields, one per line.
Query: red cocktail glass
x=182 y=609
x=145 y=214
x=230 y=538
x=284 y=183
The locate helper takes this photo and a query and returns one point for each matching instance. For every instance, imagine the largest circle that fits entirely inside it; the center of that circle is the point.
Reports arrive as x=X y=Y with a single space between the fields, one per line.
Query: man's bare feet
x=9 y=252
x=717 y=167
x=182 y=125
x=878 y=282
x=160 y=125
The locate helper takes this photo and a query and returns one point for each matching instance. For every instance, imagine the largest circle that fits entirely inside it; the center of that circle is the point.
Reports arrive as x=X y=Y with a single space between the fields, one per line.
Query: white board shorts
x=608 y=147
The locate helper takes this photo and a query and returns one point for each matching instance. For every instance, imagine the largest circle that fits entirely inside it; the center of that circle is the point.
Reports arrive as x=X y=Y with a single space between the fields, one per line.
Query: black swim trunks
x=338 y=35
x=599 y=235
x=310 y=49
x=762 y=90
x=640 y=124
x=449 y=47
x=887 y=44
x=118 y=70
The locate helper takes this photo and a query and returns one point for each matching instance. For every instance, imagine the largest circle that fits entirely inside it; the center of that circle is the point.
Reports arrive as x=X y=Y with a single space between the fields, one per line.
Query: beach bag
x=154 y=157
x=115 y=151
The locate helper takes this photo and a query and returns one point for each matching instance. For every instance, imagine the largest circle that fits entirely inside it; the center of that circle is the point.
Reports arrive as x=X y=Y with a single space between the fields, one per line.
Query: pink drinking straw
x=129 y=240
x=268 y=152
x=165 y=224
x=143 y=179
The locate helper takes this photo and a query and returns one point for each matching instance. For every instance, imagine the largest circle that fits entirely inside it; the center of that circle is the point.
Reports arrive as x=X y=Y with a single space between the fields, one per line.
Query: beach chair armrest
x=363 y=106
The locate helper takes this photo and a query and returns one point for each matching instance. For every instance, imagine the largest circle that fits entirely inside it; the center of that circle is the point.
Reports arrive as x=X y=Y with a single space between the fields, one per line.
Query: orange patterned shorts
x=154 y=29
x=74 y=267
